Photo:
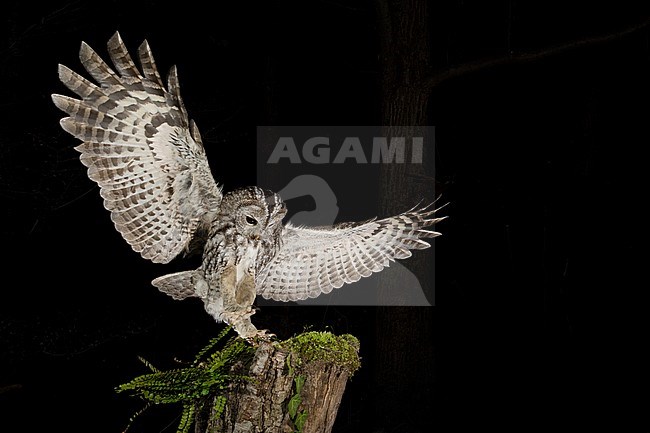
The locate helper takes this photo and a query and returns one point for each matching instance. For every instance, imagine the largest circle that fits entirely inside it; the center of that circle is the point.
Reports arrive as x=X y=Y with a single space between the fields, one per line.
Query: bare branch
x=439 y=76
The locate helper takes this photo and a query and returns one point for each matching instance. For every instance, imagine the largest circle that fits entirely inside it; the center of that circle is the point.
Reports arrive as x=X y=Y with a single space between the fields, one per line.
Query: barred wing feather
x=141 y=149
x=312 y=261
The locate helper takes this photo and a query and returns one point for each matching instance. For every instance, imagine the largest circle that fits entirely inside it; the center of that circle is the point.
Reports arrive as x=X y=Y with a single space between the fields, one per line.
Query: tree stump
x=292 y=386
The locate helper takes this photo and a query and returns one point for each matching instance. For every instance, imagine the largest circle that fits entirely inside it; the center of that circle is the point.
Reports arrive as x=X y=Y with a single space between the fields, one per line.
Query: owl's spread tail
x=181 y=285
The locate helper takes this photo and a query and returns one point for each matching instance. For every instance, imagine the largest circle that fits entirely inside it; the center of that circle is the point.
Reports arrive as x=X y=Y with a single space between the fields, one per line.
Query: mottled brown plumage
x=149 y=161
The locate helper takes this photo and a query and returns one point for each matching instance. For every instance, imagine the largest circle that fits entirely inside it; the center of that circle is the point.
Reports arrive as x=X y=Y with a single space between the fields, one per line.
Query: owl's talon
x=260 y=336
x=266 y=335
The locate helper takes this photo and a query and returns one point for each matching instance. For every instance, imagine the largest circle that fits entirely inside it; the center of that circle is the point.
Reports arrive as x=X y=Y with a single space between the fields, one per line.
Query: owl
x=149 y=161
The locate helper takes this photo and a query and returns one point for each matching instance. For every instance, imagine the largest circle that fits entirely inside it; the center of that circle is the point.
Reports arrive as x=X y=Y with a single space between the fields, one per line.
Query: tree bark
x=407 y=80
x=406 y=378
x=260 y=404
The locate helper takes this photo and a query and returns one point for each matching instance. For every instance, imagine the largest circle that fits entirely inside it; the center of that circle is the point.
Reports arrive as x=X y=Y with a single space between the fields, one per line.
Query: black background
x=541 y=305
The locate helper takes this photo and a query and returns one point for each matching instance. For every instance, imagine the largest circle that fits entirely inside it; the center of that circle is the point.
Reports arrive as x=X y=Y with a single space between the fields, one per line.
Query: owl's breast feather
x=246 y=264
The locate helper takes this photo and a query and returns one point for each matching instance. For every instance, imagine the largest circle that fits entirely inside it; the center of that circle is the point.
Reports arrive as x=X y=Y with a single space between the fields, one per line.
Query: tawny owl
x=149 y=161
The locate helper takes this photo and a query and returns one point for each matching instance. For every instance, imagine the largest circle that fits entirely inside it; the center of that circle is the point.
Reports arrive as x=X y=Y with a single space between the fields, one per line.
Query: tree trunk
x=263 y=402
x=406 y=377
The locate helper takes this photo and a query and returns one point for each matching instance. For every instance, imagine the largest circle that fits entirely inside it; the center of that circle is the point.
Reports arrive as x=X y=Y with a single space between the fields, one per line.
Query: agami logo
x=322 y=150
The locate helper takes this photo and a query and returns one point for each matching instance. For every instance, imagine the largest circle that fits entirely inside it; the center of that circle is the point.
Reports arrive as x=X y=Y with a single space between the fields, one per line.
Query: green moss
x=342 y=350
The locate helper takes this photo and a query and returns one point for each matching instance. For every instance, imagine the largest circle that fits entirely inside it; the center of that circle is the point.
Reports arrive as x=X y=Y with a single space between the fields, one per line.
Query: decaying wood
x=260 y=404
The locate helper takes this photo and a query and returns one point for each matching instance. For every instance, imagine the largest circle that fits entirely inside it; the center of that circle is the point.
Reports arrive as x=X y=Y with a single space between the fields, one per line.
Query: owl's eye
x=250 y=220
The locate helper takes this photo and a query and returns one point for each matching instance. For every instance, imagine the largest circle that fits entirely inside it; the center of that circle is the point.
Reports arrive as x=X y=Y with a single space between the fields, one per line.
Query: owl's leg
x=238 y=319
x=245 y=296
x=245 y=292
x=214 y=306
x=232 y=312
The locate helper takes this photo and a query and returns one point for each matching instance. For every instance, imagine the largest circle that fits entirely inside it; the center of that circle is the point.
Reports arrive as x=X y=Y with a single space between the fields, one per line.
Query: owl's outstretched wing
x=141 y=149
x=312 y=261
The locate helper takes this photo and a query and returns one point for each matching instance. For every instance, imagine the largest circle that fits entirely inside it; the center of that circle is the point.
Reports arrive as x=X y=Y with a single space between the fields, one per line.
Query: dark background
x=541 y=315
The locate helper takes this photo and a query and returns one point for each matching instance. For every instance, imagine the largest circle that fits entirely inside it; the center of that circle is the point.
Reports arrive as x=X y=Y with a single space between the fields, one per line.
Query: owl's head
x=257 y=213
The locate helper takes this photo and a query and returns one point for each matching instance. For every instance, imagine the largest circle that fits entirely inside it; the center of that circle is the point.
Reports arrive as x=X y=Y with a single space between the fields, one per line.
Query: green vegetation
x=204 y=382
x=310 y=347
x=324 y=347
x=297 y=418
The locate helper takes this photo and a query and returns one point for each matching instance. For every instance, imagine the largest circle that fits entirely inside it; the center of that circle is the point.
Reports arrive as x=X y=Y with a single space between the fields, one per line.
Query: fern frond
x=187 y=418
x=174 y=386
x=148 y=365
x=233 y=349
x=208 y=377
x=211 y=344
x=219 y=406
x=134 y=416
